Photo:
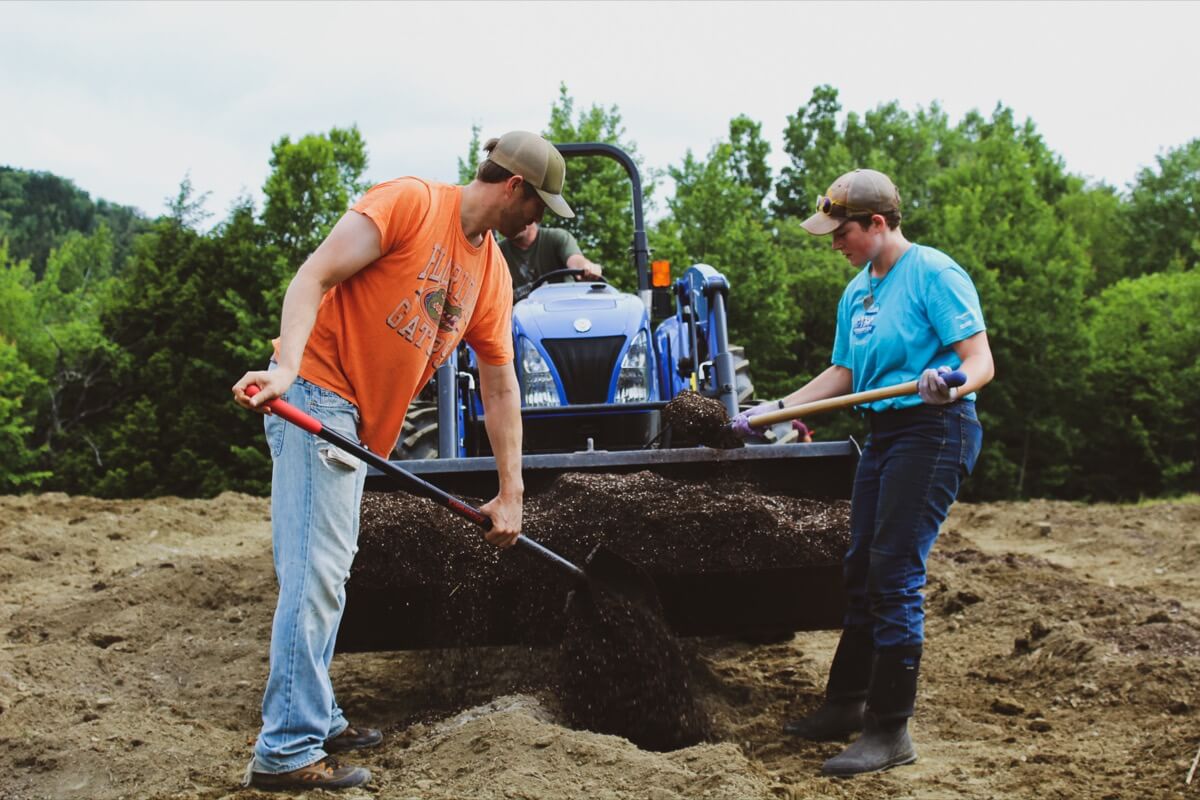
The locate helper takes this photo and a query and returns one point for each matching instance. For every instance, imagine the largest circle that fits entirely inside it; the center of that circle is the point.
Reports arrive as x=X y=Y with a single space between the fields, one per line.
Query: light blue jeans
x=316 y=490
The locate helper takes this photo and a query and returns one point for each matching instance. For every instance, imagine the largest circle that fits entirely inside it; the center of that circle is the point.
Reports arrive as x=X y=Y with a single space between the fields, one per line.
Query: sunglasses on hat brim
x=834 y=208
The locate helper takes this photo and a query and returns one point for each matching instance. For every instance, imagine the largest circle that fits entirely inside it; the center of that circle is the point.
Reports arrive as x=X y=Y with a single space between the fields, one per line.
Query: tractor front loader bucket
x=386 y=611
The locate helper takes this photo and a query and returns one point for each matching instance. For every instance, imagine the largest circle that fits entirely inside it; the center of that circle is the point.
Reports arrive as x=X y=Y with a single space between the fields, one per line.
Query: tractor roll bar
x=640 y=248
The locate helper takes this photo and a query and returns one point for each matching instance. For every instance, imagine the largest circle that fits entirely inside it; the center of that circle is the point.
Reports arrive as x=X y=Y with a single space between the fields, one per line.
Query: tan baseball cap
x=857 y=193
x=538 y=162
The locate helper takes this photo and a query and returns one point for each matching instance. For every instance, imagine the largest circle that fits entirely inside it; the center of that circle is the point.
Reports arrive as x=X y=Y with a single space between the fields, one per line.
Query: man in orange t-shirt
x=409 y=272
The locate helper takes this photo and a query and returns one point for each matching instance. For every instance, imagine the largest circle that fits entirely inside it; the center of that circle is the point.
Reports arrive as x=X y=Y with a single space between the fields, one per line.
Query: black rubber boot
x=885 y=742
x=846 y=693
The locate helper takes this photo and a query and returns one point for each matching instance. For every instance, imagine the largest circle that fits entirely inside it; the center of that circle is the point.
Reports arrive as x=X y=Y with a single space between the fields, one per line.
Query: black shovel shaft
x=412 y=483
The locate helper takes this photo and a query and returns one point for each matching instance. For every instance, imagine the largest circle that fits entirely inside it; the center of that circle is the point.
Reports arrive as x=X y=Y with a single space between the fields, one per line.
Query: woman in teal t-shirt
x=912 y=313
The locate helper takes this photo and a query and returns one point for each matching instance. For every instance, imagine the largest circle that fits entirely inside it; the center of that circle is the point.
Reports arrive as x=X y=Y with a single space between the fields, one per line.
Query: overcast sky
x=127 y=99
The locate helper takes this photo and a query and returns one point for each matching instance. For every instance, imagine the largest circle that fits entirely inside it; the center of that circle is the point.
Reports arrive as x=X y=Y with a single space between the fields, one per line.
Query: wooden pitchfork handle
x=955 y=378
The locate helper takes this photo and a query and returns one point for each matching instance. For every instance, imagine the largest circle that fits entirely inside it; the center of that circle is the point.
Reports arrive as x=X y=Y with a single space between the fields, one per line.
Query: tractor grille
x=585 y=365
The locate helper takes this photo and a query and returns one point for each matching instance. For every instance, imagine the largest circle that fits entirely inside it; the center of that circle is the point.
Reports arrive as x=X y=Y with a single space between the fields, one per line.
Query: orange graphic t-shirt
x=380 y=334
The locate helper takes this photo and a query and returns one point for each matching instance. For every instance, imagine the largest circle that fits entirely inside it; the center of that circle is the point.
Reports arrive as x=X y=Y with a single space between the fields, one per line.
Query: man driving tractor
x=537 y=251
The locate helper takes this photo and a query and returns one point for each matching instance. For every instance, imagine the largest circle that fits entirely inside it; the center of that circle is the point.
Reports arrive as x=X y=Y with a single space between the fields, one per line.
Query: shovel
x=955 y=378
x=603 y=568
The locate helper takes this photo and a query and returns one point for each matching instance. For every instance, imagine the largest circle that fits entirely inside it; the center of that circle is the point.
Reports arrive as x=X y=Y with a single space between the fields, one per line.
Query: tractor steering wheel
x=557 y=273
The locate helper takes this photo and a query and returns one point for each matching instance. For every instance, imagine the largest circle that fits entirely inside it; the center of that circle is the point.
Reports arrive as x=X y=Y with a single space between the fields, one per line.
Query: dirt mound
x=1062 y=662
x=516 y=747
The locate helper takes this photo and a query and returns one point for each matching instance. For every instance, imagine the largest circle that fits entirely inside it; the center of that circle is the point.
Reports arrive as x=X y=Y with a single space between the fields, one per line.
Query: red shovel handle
x=288 y=411
x=415 y=484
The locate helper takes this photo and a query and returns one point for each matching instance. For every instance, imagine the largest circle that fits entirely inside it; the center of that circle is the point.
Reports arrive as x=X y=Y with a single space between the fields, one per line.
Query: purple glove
x=741 y=423
x=934 y=390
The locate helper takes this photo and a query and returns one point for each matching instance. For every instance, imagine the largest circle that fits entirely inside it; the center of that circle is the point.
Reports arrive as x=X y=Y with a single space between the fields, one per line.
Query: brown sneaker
x=352 y=738
x=325 y=774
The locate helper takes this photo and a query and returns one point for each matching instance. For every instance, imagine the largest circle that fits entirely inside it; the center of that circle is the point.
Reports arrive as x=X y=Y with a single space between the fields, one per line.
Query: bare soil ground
x=1063 y=661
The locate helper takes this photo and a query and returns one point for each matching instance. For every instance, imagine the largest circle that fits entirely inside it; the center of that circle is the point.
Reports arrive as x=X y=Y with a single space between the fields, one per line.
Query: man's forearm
x=502 y=417
x=580 y=261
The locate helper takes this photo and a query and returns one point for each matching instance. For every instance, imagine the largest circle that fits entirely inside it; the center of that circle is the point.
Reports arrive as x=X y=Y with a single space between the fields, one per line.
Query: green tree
x=79 y=361
x=136 y=371
x=994 y=211
x=19 y=460
x=718 y=218
x=910 y=148
x=172 y=428
x=817 y=153
x=1096 y=215
x=468 y=166
x=20 y=385
x=1164 y=209
x=1143 y=381
x=748 y=154
x=598 y=189
x=311 y=185
x=53 y=326
x=818 y=277
x=38 y=210
x=18 y=307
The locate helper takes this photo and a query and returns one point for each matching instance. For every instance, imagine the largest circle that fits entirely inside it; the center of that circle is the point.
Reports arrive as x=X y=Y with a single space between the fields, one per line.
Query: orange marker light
x=660 y=273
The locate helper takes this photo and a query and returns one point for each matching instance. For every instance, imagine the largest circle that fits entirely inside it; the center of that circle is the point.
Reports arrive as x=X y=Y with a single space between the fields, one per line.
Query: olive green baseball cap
x=538 y=162
x=855 y=194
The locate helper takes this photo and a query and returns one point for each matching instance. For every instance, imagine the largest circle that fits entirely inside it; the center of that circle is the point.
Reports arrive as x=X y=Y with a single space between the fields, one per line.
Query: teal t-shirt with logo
x=924 y=304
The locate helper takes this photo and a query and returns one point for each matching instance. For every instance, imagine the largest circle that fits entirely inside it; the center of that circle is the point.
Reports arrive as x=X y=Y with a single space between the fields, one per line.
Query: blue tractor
x=593 y=368
x=596 y=367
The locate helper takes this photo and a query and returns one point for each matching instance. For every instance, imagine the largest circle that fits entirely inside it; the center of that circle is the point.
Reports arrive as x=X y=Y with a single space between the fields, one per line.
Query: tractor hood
x=583 y=310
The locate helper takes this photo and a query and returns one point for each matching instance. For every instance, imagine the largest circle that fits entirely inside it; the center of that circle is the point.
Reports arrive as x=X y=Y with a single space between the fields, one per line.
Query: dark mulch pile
x=703 y=419
x=665 y=526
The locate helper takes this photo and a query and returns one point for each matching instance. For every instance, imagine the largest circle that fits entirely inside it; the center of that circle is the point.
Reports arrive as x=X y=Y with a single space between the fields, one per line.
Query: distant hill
x=38 y=210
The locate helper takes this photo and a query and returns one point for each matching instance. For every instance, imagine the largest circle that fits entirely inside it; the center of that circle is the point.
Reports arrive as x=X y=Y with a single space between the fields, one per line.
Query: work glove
x=741 y=423
x=933 y=389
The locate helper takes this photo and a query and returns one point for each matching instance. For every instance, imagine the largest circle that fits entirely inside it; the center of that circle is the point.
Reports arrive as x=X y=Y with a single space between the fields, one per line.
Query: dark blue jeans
x=911 y=468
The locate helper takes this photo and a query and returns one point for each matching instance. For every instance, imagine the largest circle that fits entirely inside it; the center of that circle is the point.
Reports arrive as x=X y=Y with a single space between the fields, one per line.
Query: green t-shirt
x=549 y=251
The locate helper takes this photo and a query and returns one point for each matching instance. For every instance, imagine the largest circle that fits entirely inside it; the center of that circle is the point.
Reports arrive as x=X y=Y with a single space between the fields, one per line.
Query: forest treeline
x=120 y=335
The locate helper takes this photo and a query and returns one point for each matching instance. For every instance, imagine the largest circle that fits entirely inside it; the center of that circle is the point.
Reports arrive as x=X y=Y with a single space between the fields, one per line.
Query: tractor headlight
x=537 y=384
x=633 y=383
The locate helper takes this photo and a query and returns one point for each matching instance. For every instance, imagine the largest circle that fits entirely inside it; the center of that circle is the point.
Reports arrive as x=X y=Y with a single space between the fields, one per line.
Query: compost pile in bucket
x=621 y=670
x=665 y=526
